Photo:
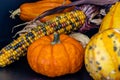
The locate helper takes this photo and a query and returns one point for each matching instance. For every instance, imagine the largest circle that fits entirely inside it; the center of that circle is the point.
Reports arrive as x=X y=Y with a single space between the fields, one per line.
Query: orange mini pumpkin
x=55 y=57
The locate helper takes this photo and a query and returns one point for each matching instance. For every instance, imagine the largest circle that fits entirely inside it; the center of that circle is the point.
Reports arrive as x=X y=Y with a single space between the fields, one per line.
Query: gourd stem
x=14 y=13
x=56 y=38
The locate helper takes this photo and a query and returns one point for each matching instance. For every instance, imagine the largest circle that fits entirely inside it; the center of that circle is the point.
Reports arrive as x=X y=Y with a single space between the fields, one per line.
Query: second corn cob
x=64 y=23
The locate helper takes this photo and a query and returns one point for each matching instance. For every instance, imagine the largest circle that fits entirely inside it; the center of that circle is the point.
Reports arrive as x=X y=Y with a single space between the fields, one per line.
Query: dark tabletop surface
x=20 y=70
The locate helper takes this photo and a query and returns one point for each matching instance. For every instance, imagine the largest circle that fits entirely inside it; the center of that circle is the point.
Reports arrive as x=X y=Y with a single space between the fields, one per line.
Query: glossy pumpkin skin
x=29 y=11
x=102 y=55
x=65 y=57
x=112 y=19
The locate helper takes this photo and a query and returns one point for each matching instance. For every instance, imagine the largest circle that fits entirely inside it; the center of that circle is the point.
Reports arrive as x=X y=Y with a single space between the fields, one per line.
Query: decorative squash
x=102 y=55
x=63 y=55
x=29 y=11
x=112 y=19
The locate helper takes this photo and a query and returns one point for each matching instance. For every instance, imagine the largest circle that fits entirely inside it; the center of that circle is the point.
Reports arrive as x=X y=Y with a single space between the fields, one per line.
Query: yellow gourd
x=112 y=19
x=102 y=55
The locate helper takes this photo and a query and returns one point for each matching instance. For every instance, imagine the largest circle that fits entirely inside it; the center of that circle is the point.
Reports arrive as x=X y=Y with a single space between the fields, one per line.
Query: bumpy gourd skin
x=64 y=57
x=102 y=55
x=112 y=19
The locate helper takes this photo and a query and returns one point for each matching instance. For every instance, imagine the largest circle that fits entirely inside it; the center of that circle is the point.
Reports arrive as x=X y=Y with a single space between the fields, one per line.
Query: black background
x=20 y=70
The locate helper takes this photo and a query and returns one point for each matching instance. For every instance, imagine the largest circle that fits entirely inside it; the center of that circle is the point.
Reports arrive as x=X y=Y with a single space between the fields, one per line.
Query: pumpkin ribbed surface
x=55 y=60
x=102 y=55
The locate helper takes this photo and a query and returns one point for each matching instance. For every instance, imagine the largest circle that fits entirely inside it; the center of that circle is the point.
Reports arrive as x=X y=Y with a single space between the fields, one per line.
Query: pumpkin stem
x=14 y=13
x=56 y=38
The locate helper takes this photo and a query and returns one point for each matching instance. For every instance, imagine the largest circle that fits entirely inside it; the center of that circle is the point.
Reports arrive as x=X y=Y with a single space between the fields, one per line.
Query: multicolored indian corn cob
x=64 y=23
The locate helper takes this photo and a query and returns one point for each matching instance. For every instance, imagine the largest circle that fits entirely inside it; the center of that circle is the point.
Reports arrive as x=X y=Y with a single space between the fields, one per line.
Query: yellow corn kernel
x=64 y=23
